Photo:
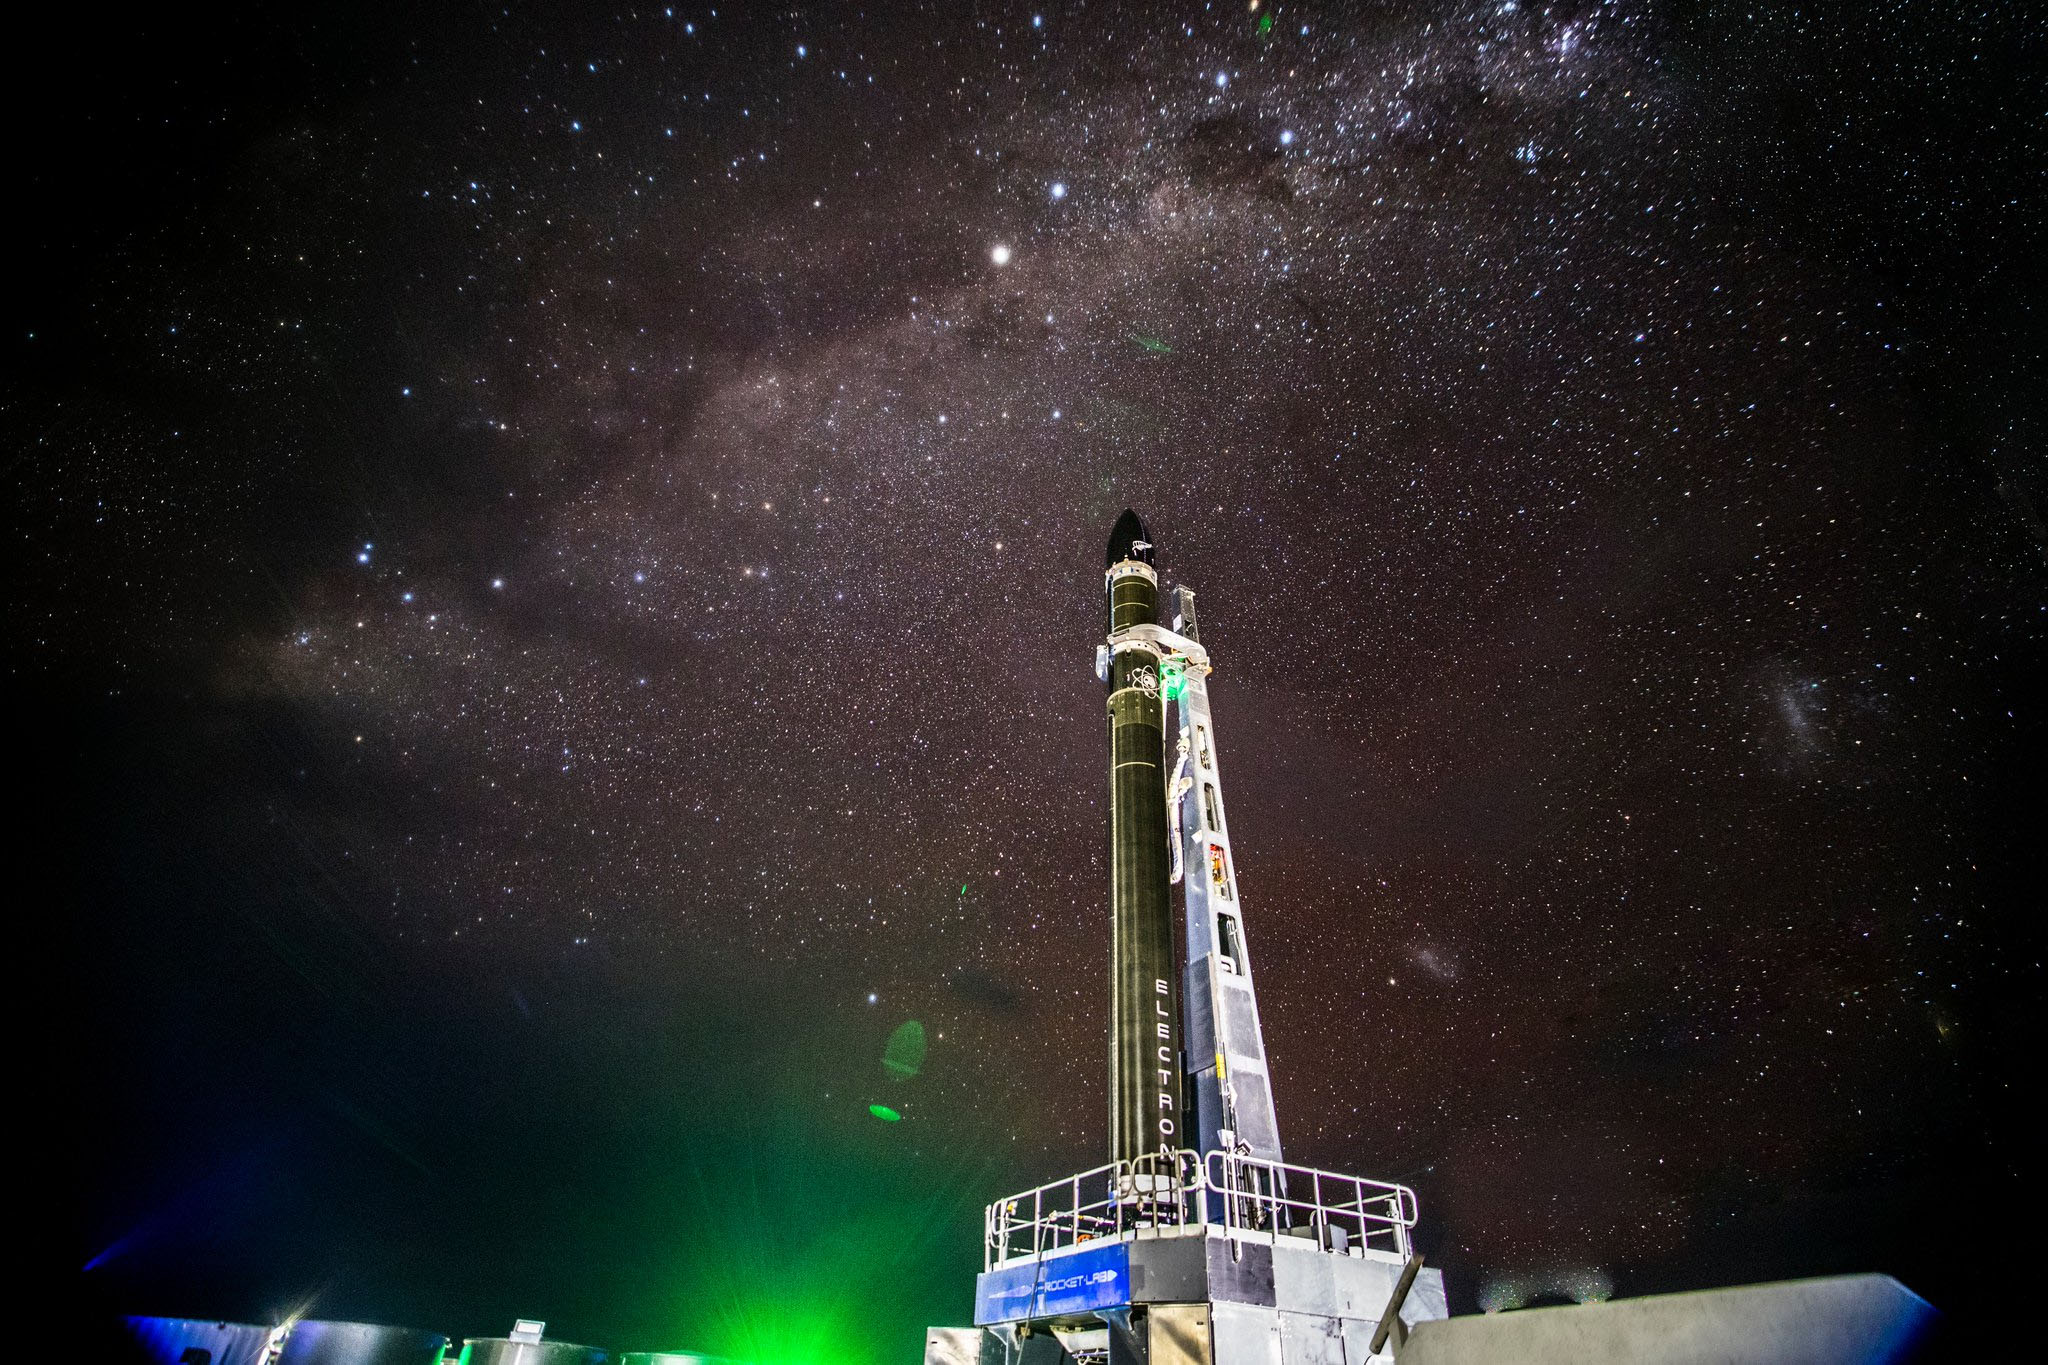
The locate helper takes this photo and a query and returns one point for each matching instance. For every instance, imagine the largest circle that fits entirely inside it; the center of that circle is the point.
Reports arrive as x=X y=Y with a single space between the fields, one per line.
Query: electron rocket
x=1187 y=1056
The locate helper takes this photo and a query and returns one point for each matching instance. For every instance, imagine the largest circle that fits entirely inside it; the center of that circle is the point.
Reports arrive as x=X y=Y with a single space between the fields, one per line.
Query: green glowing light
x=739 y=1161
x=904 y=1056
x=1265 y=24
x=1152 y=344
x=1173 y=679
x=798 y=1333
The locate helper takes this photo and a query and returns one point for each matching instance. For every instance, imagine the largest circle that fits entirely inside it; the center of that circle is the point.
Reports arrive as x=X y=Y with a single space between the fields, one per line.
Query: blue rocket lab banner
x=1099 y=1277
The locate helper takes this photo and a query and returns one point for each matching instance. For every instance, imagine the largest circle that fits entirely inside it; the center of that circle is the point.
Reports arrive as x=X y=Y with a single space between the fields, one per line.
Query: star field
x=614 y=500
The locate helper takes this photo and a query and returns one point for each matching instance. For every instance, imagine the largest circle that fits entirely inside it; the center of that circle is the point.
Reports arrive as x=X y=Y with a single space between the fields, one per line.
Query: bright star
x=1000 y=255
x=1058 y=191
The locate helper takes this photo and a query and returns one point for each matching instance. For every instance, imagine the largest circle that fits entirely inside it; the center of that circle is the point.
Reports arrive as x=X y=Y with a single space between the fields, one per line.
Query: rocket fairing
x=1195 y=1081
x=1145 y=1023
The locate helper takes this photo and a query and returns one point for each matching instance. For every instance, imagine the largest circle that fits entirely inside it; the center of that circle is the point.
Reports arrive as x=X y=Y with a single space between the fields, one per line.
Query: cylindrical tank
x=1144 y=1026
x=314 y=1342
x=505 y=1351
x=168 y=1341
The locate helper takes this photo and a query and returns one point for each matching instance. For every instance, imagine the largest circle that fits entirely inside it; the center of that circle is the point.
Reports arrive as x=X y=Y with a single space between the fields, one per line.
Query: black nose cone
x=1129 y=540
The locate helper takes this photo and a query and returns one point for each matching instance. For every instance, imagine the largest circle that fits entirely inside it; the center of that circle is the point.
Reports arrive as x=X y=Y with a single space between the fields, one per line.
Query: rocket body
x=1145 y=1110
x=1192 y=1079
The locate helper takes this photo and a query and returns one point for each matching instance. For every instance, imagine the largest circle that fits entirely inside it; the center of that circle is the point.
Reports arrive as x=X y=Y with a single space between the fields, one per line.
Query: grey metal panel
x=1310 y=1339
x=1206 y=1099
x=1240 y=1021
x=1255 y=1124
x=1200 y=924
x=1358 y=1340
x=1240 y=1271
x=1305 y=1279
x=1178 y=1334
x=1201 y=1034
x=1200 y=921
x=1244 y=1335
x=1169 y=1270
x=1361 y=1287
x=1845 y=1320
x=1313 y=1281
x=1427 y=1300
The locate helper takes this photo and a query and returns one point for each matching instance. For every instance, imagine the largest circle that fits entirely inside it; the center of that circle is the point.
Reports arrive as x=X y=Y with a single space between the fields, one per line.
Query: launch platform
x=1262 y=1259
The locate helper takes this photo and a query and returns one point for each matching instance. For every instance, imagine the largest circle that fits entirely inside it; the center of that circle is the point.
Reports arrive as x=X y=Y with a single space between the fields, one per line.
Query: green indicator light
x=885 y=1113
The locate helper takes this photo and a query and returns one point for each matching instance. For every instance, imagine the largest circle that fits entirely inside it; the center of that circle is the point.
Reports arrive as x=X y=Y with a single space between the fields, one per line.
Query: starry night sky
x=556 y=568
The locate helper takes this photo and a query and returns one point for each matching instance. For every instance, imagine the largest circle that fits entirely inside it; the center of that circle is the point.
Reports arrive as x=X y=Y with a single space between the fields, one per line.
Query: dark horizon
x=557 y=579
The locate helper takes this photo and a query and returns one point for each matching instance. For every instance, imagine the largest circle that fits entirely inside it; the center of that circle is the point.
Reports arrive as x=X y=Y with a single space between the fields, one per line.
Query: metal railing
x=1152 y=1192
x=1161 y=1195
x=1339 y=1212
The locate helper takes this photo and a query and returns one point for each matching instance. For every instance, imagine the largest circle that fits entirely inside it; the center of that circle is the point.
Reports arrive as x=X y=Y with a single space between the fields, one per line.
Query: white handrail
x=1244 y=1195
x=1361 y=1208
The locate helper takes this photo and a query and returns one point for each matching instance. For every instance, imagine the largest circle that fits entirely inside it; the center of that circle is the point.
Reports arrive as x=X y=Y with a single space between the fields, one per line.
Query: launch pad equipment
x=1196 y=1244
